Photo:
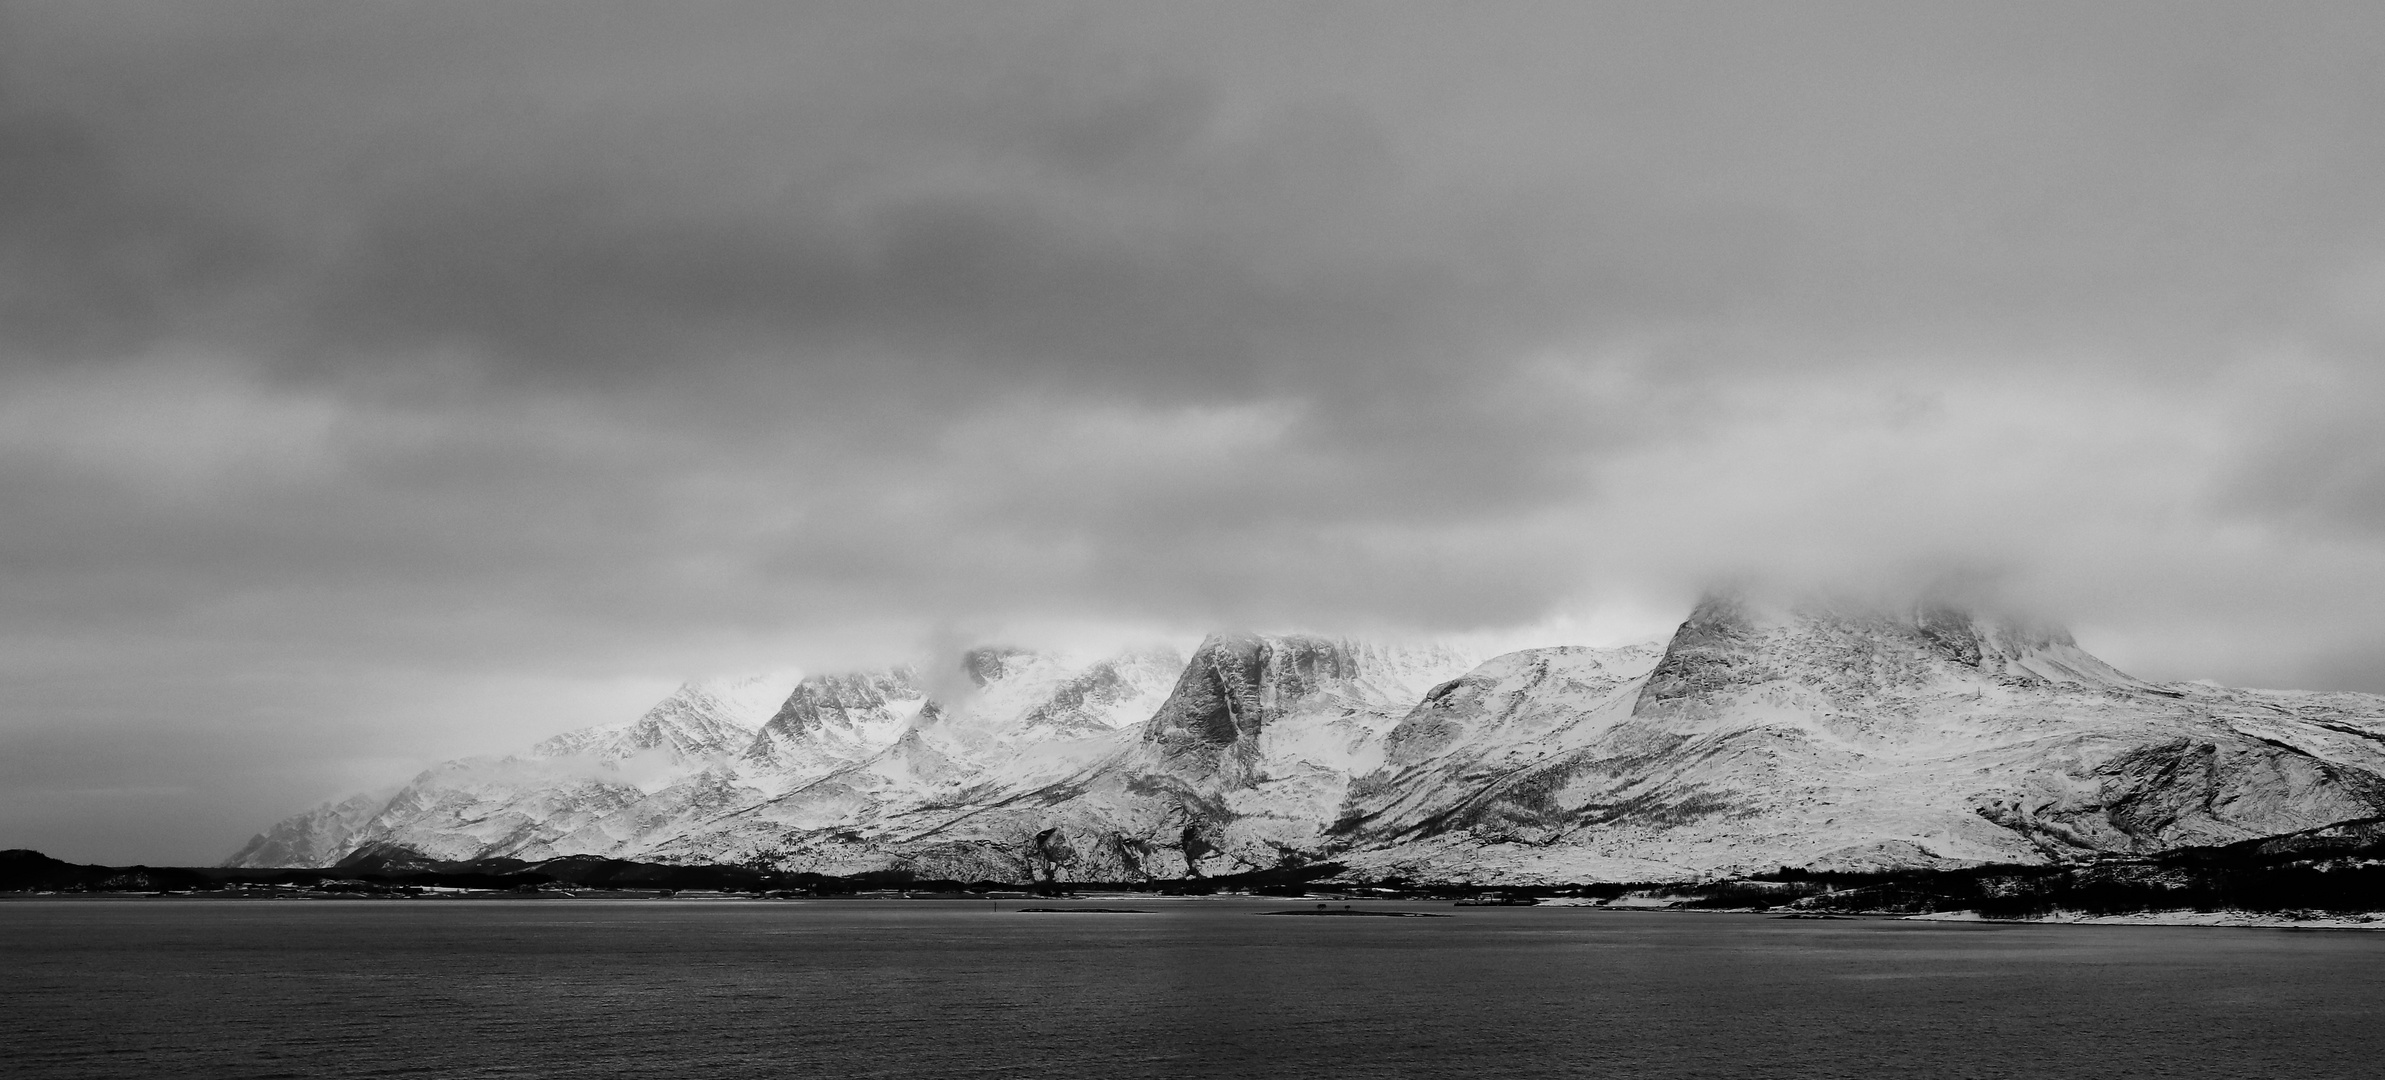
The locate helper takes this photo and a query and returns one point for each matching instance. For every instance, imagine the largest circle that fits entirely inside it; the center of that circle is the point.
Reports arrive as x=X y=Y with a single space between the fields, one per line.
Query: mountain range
x=1764 y=734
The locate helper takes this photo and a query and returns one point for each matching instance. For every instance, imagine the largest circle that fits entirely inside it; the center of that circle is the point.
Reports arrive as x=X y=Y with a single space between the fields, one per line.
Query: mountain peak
x=828 y=717
x=1735 y=641
x=699 y=719
x=988 y=663
x=842 y=700
x=1766 y=732
x=1236 y=682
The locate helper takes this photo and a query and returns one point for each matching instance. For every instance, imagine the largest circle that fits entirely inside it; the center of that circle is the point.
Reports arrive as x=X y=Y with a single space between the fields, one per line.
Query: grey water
x=562 y=988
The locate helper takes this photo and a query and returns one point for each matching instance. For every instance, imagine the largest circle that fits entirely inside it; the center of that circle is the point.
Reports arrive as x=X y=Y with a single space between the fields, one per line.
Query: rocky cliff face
x=833 y=720
x=1236 y=683
x=1239 y=685
x=1762 y=734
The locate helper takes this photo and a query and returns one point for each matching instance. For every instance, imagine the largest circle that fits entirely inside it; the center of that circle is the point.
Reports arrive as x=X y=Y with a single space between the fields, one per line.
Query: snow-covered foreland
x=2253 y=920
x=1763 y=734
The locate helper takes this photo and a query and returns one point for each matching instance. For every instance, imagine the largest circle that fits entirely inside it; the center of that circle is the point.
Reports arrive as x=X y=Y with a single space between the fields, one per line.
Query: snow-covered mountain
x=716 y=750
x=529 y=803
x=1245 y=758
x=1762 y=734
x=319 y=837
x=1813 y=735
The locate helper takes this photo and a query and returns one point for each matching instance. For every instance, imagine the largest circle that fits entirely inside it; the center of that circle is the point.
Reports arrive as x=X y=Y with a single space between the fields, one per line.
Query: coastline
x=2239 y=920
x=2246 y=920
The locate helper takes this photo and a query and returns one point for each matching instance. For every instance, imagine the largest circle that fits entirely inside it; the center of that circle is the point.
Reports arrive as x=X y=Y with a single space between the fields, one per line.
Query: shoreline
x=2236 y=920
x=2239 y=920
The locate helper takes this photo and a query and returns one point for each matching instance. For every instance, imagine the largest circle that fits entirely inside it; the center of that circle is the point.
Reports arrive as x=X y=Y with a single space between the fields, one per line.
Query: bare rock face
x=1236 y=683
x=1950 y=631
x=1713 y=653
x=992 y=663
x=844 y=701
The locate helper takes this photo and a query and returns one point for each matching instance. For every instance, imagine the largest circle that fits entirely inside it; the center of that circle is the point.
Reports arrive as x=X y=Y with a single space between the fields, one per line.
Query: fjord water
x=1194 y=988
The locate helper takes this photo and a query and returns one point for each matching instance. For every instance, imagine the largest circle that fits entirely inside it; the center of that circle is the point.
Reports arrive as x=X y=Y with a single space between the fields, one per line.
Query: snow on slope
x=830 y=721
x=319 y=837
x=715 y=750
x=1244 y=764
x=1847 y=737
x=1761 y=734
x=699 y=720
x=1029 y=720
x=523 y=803
x=1445 y=758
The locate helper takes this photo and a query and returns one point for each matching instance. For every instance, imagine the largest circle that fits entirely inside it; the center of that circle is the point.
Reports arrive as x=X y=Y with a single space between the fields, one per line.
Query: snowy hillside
x=1771 y=735
x=461 y=809
x=715 y=750
x=1762 y=734
x=1244 y=762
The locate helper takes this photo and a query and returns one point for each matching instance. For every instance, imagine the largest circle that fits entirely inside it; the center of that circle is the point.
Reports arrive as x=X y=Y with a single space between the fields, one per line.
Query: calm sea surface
x=930 y=989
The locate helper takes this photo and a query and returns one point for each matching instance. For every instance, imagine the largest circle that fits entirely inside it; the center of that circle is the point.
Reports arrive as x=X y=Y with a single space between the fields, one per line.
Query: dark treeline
x=2339 y=868
x=31 y=871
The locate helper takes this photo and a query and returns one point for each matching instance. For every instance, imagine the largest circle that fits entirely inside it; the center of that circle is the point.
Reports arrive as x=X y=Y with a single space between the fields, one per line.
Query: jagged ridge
x=1762 y=734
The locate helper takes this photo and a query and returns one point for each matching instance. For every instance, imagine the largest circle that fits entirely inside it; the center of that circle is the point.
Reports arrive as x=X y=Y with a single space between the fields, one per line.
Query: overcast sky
x=387 y=382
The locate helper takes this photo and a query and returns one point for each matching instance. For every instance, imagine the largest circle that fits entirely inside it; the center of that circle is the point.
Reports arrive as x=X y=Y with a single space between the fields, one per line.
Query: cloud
x=370 y=374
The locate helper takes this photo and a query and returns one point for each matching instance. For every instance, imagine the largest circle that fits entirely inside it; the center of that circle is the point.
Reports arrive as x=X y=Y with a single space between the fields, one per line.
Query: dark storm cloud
x=1128 y=221
x=83 y=267
x=1199 y=203
x=386 y=381
x=1205 y=258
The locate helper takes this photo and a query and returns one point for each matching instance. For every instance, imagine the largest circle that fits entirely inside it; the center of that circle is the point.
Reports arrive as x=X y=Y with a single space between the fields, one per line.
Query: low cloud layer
x=391 y=382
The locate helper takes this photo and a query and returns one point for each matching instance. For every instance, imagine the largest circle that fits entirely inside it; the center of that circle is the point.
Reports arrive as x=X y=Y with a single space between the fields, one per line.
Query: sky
x=382 y=383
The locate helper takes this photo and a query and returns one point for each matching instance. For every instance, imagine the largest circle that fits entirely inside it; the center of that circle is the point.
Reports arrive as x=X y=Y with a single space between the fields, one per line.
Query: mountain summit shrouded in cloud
x=1825 y=735
x=392 y=383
